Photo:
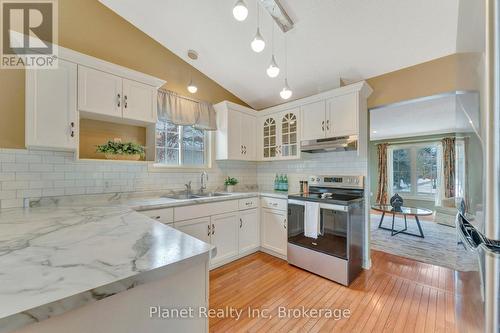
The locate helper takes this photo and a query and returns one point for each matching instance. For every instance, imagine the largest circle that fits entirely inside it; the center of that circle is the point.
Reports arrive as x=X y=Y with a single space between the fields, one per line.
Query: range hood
x=343 y=143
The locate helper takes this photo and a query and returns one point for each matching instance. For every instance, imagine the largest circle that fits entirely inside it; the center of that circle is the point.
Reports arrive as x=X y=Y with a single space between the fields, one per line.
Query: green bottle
x=285 y=183
x=281 y=184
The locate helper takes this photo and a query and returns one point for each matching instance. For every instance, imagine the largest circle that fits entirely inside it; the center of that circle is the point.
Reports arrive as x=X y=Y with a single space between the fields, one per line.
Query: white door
x=274 y=233
x=51 y=115
x=234 y=145
x=288 y=131
x=99 y=92
x=247 y=136
x=313 y=121
x=225 y=236
x=198 y=228
x=249 y=233
x=139 y=101
x=268 y=133
x=343 y=115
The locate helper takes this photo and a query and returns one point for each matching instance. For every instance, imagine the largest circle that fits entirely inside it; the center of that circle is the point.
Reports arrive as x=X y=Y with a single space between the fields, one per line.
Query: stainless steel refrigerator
x=478 y=219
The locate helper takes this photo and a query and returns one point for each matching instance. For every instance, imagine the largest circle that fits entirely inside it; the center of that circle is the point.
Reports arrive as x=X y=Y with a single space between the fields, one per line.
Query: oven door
x=296 y=212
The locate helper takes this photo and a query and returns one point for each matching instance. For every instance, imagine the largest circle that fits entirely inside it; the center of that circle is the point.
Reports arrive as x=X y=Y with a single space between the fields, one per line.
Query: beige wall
x=89 y=27
x=429 y=78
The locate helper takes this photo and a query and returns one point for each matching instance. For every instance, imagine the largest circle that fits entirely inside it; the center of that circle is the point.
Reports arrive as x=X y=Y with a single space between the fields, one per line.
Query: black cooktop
x=325 y=197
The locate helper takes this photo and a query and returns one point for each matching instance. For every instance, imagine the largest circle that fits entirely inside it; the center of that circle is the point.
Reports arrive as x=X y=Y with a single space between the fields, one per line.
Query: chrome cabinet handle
x=213 y=228
x=241 y=223
x=119 y=100
x=209 y=231
x=125 y=101
x=284 y=223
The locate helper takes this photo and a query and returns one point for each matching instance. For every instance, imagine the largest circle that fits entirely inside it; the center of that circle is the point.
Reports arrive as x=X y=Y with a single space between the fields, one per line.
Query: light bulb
x=286 y=93
x=273 y=70
x=192 y=88
x=240 y=11
x=258 y=43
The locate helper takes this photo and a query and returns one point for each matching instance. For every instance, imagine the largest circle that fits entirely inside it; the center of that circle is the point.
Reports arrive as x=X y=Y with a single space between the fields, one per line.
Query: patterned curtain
x=382 y=173
x=449 y=167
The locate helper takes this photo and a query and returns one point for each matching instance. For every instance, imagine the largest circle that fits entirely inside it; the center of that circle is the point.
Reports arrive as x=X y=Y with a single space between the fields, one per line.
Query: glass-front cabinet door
x=270 y=138
x=289 y=138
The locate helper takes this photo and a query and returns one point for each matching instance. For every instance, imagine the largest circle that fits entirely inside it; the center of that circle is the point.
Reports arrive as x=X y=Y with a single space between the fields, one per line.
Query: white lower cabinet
x=249 y=233
x=274 y=233
x=224 y=236
x=198 y=228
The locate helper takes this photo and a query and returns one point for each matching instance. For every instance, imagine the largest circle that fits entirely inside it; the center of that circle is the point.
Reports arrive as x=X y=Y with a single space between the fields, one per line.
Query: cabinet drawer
x=165 y=215
x=248 y=203
x=273 y=203
x=202 y=210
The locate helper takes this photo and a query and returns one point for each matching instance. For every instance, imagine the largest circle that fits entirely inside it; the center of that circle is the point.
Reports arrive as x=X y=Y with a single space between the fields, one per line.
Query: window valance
x=184 y=111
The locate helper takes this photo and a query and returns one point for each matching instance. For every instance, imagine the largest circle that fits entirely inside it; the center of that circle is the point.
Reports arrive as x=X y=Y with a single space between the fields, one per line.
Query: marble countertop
x=65 y=252
x=53 y=259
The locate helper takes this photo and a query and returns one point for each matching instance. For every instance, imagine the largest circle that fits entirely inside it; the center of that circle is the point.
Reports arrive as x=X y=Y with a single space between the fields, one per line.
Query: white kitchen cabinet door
x=139 y=101
x=313 y=121
x=274 y=233
x=247 y=129
x=198 y=228
x=224 y=236
x=99 y=92
x=288 y=130
x=234 y=145
x=343 y=115
x=249 y=233
x=51 y=115
x=268 y=132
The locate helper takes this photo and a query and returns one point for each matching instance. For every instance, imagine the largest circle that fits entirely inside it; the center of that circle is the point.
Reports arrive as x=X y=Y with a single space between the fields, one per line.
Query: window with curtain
x=180 y=145
x=414 y=170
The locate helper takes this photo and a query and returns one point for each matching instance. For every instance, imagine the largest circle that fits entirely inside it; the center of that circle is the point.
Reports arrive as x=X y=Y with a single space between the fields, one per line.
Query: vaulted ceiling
x=332 y=39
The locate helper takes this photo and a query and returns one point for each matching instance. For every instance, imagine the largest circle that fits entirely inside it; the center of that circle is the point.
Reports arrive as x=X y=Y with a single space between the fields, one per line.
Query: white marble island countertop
x=54 y=259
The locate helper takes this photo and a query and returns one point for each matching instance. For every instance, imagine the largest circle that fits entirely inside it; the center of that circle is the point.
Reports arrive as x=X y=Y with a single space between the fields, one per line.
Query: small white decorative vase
x=230 y=188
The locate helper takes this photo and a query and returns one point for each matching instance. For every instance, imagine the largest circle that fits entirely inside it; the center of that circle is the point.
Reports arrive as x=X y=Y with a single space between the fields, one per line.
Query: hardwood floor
x=396 y=295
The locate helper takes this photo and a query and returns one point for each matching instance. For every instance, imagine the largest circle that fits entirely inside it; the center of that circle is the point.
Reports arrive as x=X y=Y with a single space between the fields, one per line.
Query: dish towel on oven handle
x=312 y=219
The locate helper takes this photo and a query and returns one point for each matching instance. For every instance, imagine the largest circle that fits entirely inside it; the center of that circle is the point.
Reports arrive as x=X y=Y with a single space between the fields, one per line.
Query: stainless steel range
x=326 y=226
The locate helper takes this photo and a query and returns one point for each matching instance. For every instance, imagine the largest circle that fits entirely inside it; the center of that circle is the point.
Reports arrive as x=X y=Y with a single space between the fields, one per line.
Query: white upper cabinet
x=236 y=129
x=51 y=115
x=269 y=135
x=279 y=135
x=139 y=101
x=343 y=114
x=314 y=124
x=99 y=92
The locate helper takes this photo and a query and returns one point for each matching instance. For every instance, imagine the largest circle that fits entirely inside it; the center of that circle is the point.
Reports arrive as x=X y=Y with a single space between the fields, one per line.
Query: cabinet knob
x=284 y=223
x=125 y=101
x=119 y=100
x=213 y=228
x=209 y=231
x=241 y=223
x=328 y=124
x=323 y=125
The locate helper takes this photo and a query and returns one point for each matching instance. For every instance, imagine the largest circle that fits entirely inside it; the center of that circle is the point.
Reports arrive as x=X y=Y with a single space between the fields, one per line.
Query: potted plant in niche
x=117 y=150
x=230 y=182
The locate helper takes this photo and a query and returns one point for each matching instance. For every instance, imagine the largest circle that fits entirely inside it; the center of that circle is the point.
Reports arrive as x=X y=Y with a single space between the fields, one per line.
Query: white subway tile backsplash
x=25 y=173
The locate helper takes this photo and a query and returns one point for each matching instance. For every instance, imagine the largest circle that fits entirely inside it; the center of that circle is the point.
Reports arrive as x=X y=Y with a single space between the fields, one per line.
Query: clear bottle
x=281 y=183
x=285 y=183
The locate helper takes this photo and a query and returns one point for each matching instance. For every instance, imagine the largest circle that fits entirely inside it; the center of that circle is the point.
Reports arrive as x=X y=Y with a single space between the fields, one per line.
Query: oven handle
x=334 y=207
x=296 y=202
